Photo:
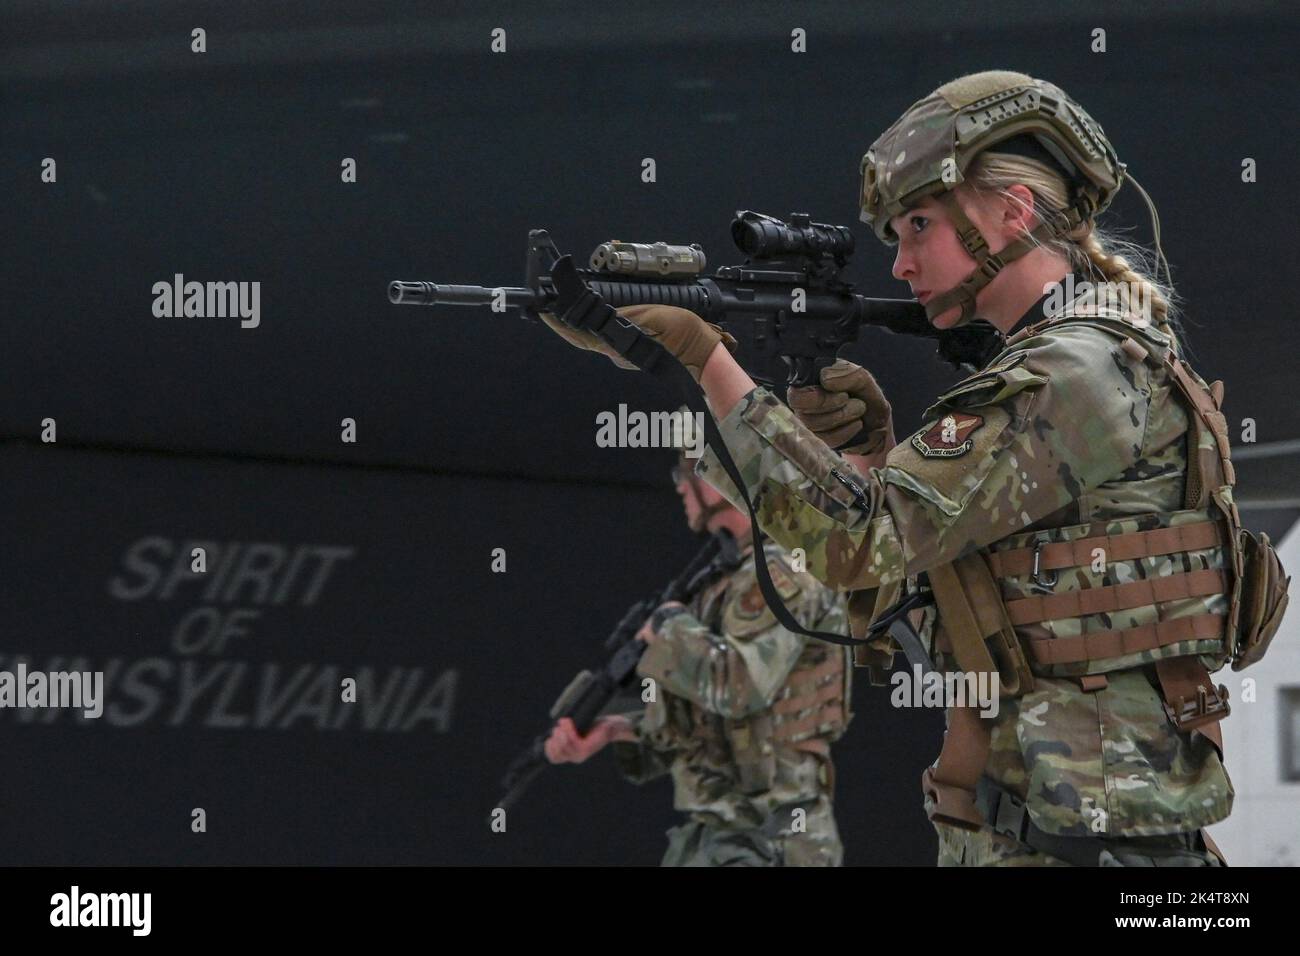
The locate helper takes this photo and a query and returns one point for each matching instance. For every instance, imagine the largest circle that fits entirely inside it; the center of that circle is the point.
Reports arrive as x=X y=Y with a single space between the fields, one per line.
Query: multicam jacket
x=744 y=710
x=1062 y=435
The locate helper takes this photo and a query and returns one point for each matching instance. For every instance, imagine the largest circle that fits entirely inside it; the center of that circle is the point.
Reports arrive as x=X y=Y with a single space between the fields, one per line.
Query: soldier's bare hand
x=566 y=745
x=647 y=632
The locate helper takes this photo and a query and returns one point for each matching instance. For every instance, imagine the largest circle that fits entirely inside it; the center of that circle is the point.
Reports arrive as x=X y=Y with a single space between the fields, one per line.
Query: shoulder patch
x=751 y=603
x=949 y=436
x=746 y=613
x=945 y=463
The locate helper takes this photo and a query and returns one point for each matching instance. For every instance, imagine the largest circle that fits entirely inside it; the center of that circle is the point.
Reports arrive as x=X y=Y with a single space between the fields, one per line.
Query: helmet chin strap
x=988 y=265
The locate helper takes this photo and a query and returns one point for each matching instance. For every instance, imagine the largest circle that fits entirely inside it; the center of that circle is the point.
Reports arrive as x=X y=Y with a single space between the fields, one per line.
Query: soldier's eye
x=922 y=220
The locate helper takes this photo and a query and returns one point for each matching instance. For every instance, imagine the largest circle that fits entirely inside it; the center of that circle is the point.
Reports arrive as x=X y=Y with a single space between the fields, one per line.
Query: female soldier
x=1069 y=506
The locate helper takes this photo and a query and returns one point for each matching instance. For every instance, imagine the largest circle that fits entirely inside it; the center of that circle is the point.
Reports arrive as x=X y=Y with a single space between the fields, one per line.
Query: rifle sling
x=582 y=308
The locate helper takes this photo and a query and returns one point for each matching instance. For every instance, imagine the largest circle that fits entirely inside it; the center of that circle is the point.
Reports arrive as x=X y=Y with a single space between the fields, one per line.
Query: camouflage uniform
x=1064 y=434
x=743 y=718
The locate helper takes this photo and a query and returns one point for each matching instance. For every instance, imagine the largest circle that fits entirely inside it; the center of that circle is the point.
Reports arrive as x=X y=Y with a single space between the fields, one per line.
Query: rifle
x=786 y=305
x=589 y=692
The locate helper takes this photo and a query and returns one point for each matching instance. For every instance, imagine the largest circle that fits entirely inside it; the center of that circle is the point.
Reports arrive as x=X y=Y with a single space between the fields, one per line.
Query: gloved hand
x=681 y=332
x=848 y=400
x=582 y=339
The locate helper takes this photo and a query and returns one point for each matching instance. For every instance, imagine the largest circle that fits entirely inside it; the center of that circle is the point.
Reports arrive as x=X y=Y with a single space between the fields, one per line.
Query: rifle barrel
x=430 y=293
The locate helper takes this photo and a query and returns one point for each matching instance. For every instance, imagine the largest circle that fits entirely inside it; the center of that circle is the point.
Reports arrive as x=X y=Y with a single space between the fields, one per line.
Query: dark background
x=476 y=431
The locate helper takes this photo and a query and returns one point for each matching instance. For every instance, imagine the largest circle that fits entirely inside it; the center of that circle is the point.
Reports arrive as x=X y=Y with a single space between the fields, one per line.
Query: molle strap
x=1205 y=404
x=1195 y=492
x=823 y=717
x=807 y=681
x=1191 y=699
x=1213 y=730
x=814 y=745
x=832 y=691
x=1117 y=597
x=957 y=620
x=1100 y=645
x=816 y=692
x=950 y=783
x=1178 y=539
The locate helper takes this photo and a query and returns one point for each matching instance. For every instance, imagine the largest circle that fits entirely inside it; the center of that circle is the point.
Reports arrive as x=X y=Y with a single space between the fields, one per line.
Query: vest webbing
x=827 y=716
x=1117 y=597
x=831 y=691
x=807 y=682
x=821 y=691
x=1121 y=547
x=1191 y=700
x=1099 y=645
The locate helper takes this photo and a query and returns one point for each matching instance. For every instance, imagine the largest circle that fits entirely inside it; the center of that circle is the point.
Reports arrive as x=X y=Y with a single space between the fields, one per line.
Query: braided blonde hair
x=1102 y=255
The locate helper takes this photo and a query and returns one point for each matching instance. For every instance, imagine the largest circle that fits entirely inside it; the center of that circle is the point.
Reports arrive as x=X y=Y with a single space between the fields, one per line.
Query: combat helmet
x=684 y=432
x=929 y=149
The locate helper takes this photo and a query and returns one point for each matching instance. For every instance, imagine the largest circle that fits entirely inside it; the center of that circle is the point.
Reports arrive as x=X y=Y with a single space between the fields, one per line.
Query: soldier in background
x=744 y=711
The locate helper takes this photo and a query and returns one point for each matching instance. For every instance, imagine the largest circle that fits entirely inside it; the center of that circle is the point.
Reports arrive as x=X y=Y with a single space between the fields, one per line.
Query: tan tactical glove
x=681 y=332
x=580 y=338
x=848 y=401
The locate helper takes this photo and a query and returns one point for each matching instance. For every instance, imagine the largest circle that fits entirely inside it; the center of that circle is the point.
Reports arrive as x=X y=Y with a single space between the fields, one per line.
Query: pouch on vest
x=864 y=607
x=1259 y=598
x=1264 y=597
x=973 y=624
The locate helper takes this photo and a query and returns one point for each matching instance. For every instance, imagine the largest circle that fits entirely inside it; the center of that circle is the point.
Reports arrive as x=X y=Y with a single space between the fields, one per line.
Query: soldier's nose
x=903 y=266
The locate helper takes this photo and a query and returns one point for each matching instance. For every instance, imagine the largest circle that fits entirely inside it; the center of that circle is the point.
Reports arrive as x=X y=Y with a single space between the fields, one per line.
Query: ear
x=1018 y=212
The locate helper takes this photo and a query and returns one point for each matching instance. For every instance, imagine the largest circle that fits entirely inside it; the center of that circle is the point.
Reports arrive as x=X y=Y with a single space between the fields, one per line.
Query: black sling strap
x=582 y=308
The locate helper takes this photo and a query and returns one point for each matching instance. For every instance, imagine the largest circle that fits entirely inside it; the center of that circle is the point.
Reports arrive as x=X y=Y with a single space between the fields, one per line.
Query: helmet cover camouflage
x=930 y=147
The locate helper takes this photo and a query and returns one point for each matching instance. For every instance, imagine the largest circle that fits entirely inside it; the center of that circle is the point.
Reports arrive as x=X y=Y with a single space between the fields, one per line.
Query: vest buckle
x=1207 y=706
